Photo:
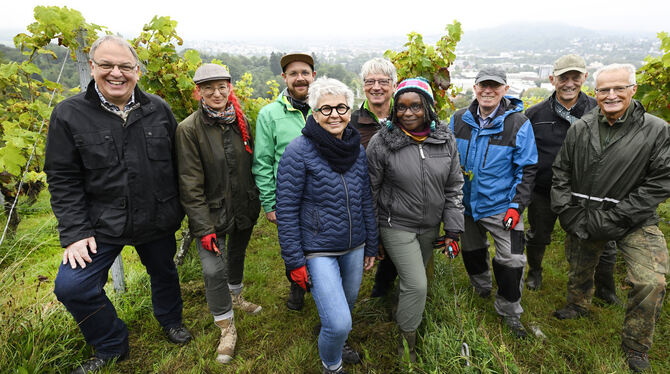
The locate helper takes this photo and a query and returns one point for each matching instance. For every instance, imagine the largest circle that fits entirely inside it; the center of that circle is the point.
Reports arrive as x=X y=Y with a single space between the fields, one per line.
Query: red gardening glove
x=300 y=277
x=452 y=249
x=210 y=243
x=511 y=219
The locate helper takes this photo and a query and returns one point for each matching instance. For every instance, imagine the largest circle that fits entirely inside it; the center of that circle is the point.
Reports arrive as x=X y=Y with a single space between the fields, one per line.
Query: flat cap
x=568 y=63
x=210 y=72
x=293 y=57
x=491 y=74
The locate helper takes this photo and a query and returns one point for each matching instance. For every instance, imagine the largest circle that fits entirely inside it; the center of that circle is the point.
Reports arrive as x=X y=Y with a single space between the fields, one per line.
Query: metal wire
x=32 y=153
x=465 y=349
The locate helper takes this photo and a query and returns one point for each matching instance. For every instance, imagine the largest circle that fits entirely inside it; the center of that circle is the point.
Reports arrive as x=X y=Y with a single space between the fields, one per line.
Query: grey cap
x=491 y=74
x=210 y=72
x=293 y=57
x=568 y=63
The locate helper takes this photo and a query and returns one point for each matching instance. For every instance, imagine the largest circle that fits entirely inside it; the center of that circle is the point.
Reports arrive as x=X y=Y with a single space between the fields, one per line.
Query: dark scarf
x=341 y=154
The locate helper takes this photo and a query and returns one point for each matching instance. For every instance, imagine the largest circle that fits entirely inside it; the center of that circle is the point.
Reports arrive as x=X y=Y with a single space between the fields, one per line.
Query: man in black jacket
x=112 y=175
x=551 y=120
x=610 y=175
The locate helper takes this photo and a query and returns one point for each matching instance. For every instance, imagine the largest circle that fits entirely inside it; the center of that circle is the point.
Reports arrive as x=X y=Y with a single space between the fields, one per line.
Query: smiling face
x=215 y=93
x=116 y=86
x=298 y=76
x=334 y=123
x=410 y=111
x=568 y=85
x=613 y=104
x=489 y=94
x=377 y=93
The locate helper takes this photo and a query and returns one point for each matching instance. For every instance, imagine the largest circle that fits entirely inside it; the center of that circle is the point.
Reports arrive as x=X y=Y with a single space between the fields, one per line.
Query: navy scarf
x=341 y=154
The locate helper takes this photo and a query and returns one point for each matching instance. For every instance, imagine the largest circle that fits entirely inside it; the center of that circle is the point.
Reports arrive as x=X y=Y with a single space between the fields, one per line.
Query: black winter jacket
x=603 y=194
x=550 y=129
x=116 y=182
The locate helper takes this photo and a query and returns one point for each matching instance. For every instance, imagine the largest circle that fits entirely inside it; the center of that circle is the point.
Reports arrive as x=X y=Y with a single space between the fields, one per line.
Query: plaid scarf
x=227 y=115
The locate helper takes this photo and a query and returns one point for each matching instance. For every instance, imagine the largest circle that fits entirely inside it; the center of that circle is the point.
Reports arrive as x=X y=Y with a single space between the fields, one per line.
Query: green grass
x=38 y=335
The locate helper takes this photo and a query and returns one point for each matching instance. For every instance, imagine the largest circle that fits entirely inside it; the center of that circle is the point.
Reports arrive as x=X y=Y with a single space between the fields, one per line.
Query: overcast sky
x=346 y=19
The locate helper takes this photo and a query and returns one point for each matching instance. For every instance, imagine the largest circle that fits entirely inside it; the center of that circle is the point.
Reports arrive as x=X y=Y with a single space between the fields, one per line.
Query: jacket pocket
x=109 y=219
x=97 y=150
x=158 y=143
x=168 y=210
x=217 y=214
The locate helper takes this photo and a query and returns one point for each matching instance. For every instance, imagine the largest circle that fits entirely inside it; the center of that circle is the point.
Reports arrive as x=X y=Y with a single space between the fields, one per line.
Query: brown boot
x=241 y=304
x=226 y=348
x=410 y=338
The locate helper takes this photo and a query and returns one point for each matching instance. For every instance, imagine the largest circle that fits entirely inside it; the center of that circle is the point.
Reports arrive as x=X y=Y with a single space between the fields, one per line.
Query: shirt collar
x=111 y=106
x=485 y=121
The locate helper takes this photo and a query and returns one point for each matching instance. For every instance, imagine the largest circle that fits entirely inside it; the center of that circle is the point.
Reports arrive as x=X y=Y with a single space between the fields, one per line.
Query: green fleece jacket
x=278 y=123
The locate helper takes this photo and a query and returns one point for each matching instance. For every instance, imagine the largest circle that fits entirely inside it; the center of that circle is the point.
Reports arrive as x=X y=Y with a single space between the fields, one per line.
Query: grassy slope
x=39 y=336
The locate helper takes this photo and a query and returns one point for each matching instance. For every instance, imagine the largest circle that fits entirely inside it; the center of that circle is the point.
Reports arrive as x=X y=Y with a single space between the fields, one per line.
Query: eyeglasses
x=382 y=82
x=617 y=90
x=106 y=67
x=209 y=90
x=294 y=74
x=326 y=110
x=415 y=108
x=489 y=84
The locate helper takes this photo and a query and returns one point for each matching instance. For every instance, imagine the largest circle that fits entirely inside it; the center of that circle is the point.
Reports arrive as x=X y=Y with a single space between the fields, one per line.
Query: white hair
x=379 y=65
x=112 y=38
x=627 y=67
x=328 y=86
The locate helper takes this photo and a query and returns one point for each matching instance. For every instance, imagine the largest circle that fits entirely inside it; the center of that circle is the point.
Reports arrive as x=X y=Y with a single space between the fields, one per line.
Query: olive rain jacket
x=218 y=191
x=112 y=179
x=416 y=186
x=550 y=129
x=320 y=210
x=500 y=160
x=278 y=123
x=602 y=194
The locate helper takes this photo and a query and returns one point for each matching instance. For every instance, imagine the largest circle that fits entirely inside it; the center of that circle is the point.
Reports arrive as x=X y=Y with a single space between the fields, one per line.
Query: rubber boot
x=603 y=280
x=534 y=256
x=226 y=348
x=410 y=338
x=296 y=297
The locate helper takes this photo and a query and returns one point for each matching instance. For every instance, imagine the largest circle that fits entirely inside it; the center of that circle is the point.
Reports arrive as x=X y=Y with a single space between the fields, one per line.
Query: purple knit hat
x=419 y=85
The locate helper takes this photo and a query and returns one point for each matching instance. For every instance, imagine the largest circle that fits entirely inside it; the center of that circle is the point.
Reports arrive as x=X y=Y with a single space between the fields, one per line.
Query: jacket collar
x=578 y=109
x=92 y=96
x=395 y=138
x=508 y=105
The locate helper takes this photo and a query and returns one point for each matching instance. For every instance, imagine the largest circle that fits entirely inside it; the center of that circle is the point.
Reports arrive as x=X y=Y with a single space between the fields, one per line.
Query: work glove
x=511 y=219
x=210 y=243
x=300 y=277
x=450 y=250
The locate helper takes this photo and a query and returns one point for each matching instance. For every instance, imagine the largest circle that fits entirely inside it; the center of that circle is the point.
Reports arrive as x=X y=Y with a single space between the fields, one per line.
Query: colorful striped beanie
x=419 y=85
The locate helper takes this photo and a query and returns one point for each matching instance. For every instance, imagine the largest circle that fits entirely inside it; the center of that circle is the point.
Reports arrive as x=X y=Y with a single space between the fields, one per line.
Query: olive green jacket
x=216 y=187
x=605 y=193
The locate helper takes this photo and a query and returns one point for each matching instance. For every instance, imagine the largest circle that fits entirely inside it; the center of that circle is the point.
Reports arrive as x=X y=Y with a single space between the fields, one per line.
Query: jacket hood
x=394 y=138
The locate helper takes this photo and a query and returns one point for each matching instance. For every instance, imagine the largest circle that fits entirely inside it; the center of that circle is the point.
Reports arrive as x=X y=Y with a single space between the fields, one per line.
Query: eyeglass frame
x=122 y=67
x=371 y=82
x=329 y=108
x=616 y=89
x=402 y=109
x=209 y=91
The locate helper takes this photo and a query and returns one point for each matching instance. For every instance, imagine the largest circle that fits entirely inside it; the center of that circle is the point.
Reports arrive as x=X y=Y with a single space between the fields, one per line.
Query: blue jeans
x=82 y=293
x=335 y=284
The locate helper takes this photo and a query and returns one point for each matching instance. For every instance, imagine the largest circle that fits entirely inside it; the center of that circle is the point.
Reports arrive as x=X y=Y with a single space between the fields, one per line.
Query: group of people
x=389 y=181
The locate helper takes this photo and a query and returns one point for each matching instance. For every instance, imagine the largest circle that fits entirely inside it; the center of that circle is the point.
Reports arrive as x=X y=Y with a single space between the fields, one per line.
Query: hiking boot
x=484 y=294
x=241 y=304
x=570 y=311
x=410 y=338
x=339 y=370
x=637 y=361
x=515 y=325
x=178 y=335
x=350 y=356
x=226 y=348
x=379 y=290
x=606 y=297
x=95 y=364
x=296 y=297
x=534 y=279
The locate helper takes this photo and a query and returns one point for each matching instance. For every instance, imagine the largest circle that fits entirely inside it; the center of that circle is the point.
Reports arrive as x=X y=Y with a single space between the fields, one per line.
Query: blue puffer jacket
x=320 y=210
x=499 y=162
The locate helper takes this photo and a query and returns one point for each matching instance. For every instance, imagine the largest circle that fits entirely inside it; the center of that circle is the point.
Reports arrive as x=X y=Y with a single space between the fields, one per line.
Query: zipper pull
x=389 y=221
x=423 y=157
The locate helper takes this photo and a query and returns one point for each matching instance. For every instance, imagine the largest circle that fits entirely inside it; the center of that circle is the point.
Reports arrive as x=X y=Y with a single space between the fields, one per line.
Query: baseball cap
x=293 y=57
x=491 y=74
x=569 y=62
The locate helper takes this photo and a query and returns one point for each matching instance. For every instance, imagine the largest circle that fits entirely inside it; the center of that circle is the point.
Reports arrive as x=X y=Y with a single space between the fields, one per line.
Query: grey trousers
x=410 y=252
x=220 y=271
x=508 y=263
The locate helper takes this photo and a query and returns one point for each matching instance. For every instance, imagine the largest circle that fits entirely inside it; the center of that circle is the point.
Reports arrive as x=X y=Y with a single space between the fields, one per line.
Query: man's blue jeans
x=335 y=284
x=82 y=293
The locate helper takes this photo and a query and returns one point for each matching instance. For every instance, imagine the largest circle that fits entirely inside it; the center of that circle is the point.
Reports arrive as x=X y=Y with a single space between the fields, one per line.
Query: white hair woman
x=325 y=217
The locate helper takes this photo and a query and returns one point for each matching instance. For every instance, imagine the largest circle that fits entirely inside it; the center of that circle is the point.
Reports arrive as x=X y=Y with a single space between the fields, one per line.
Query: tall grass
x=37 y=334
